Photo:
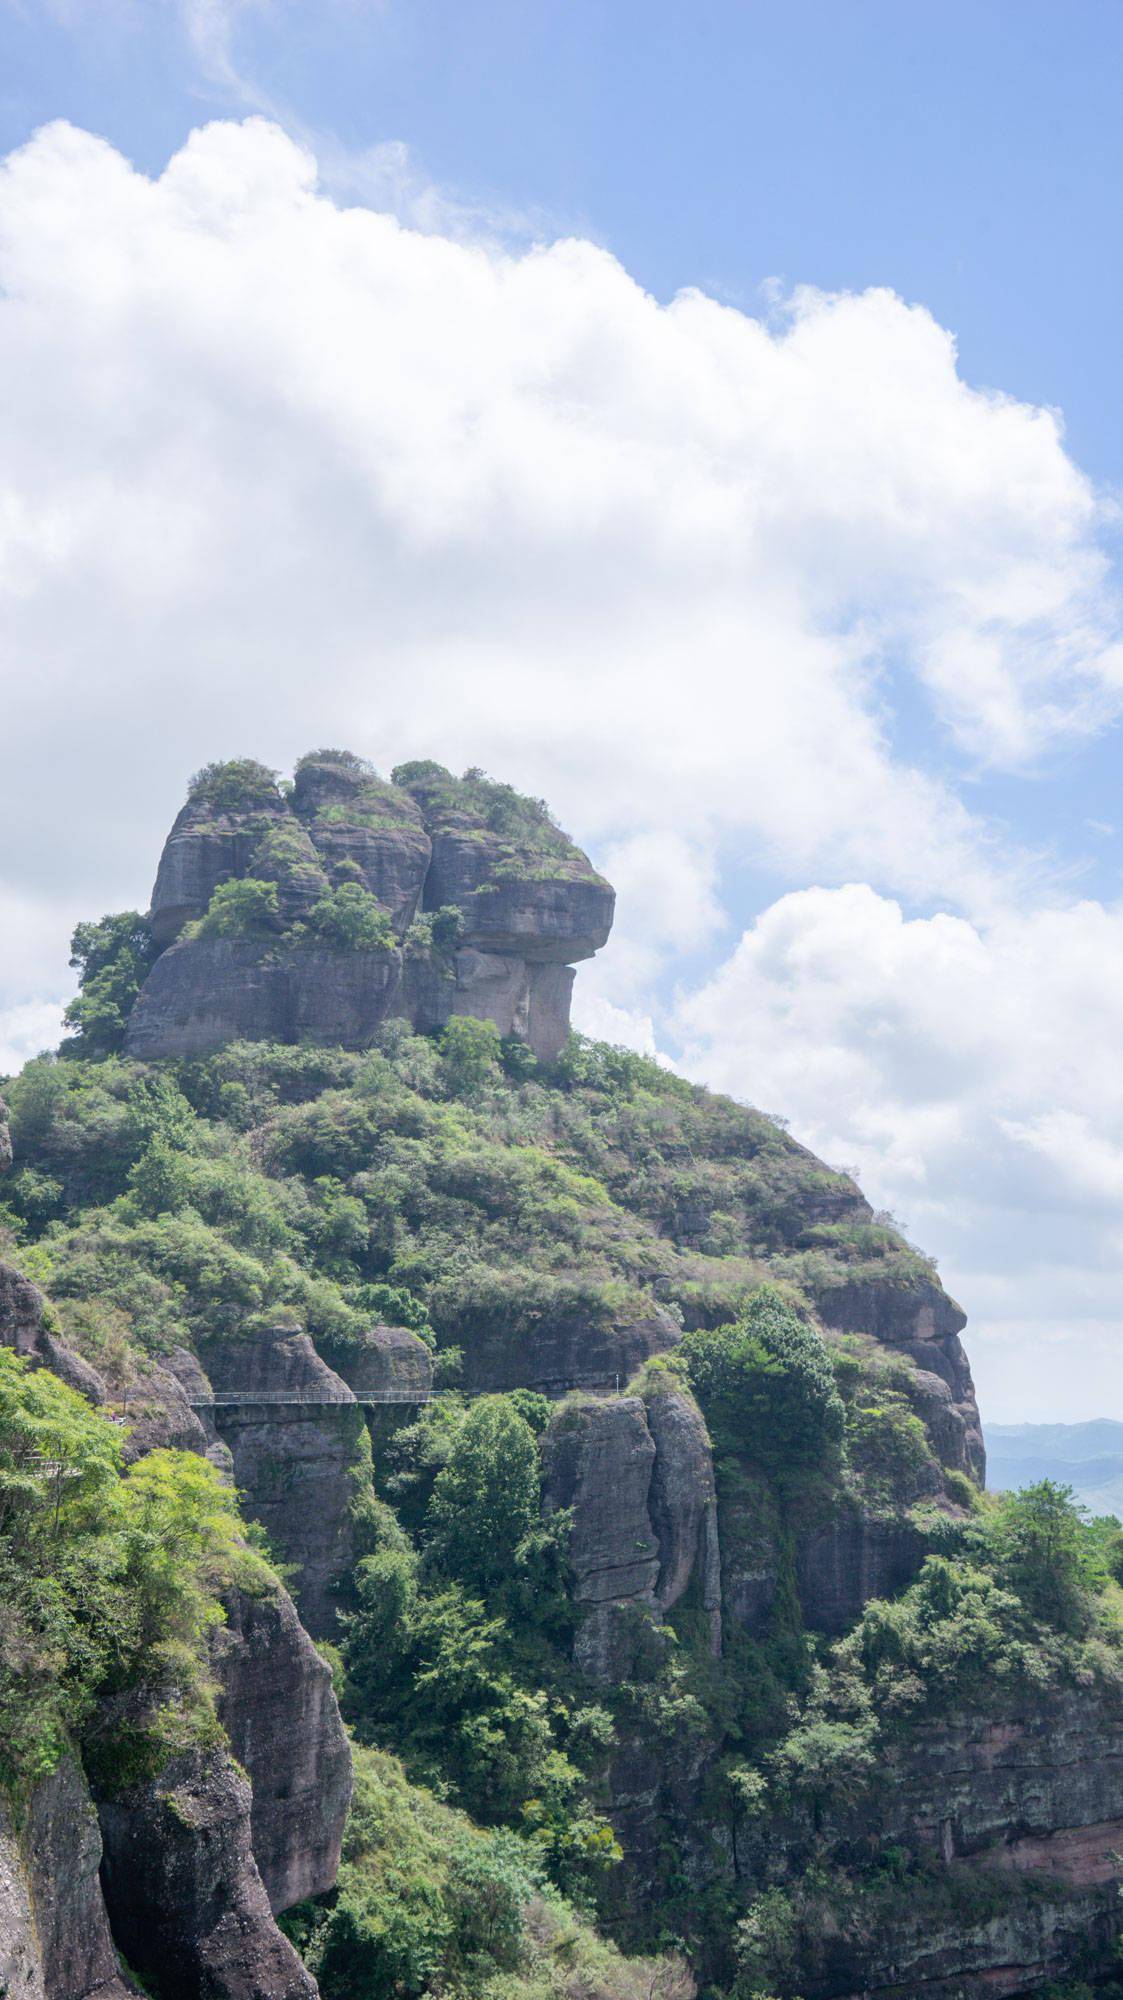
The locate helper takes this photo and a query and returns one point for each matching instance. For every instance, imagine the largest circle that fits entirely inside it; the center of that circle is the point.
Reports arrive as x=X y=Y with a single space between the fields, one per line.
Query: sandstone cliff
x=517 y=904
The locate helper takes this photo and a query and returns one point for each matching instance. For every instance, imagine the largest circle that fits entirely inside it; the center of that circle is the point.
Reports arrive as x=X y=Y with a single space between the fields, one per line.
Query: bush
x=767 y=1389
x=241 y=909
x=349 y=919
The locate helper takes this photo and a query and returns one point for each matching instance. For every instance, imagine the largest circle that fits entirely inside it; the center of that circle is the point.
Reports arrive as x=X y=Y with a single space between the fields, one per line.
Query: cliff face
x=55 y=1942
x=517 y=904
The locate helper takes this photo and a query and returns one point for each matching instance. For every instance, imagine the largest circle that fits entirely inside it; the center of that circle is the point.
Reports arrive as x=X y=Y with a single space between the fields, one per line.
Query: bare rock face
x=185 y=1899
x=388 y=1360
x=55 y=1942
x=858 y=1557
x=298 y=1442
x=529 y=905
x=682 y=1505
x=207 y=991
x=564 y=1353
x=280 y=1713
x=639 y=1479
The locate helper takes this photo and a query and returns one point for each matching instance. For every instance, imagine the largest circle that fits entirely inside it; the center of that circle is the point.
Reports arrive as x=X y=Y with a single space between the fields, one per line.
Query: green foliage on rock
x=108 y=1581
x=348 y=919
x=246 y=908
x=768 y=1391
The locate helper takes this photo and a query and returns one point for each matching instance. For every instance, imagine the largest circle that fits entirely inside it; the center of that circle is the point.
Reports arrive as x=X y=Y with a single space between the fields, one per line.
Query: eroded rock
x=55 y=1942
x=186 y=1901
x=279 y=1710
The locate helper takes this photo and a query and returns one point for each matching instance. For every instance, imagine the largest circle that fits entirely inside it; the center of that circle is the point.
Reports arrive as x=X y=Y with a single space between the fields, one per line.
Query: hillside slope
x=680 y=1601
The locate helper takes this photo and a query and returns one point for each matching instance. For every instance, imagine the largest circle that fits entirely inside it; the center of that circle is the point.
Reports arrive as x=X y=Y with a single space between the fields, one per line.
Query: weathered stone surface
x=207 y=846
x=205 y=992
x=160 y=1416
x=598 y=1457
x=563 y=1353
x=295 y=1462
x=185 y=1899
x=54 y=1933
x=530 y=904
x=858 y=1556
x=534 y=915
x=682 y=1505
x=387 y=1359
x=280 y=1713
x=363 y=829
x=23 y=1327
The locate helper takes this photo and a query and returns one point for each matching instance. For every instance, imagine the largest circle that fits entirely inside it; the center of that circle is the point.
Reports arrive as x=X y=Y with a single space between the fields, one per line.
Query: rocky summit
x=480 y=1514
x=485 y=906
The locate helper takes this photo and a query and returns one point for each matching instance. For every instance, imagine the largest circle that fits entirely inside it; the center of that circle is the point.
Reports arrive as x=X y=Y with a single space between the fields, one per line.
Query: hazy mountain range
x=1088 y=1457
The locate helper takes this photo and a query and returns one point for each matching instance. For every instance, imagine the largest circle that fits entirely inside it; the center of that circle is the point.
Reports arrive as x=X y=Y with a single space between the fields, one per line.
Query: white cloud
x=275 y=471
x=277 y=468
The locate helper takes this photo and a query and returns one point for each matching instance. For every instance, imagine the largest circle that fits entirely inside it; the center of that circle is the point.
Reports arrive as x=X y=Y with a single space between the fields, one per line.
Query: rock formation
x=55 y=1941
x=488 y=906
x=185 y=1899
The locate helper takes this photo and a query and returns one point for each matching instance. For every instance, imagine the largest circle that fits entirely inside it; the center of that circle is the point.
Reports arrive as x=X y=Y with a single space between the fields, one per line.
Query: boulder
x=365 y=830
x=385 y=1360
x=298 y=1446
x=598 y=1456
x=204 y=992
x=564 y=1352
x=682 y=1505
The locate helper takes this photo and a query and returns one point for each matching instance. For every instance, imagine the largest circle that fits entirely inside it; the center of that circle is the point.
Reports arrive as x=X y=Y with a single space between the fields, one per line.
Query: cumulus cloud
x=278 y=470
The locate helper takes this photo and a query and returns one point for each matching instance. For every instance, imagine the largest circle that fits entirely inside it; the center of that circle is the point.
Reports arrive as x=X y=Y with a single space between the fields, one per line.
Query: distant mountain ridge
x=1088 y=1457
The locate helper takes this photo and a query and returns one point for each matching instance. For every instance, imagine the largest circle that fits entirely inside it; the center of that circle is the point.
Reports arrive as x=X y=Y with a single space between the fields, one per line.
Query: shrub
x=768 y=1392
x=240 y=909
x=349 y=918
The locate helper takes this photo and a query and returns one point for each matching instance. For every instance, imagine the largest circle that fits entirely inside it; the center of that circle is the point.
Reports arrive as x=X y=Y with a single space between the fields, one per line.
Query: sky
x=708 y=418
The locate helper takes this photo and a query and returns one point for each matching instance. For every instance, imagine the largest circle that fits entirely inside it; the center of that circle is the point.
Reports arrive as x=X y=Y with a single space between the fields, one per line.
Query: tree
x=486 y=1497
x=768 y=1391
x=349 y=919
x=1043 y=1550
x=112 y=959
x=470 y=1052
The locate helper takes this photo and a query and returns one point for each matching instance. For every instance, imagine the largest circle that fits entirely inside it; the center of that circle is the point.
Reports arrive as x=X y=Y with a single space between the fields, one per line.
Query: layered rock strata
x=519 y=905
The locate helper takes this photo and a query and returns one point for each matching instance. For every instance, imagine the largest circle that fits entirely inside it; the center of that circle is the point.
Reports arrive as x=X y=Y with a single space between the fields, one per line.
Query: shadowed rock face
x=279 y=1711
x=186 y=1901
x=639 y=1479
x=529 y=903
x=55 y=1942
x=295 y=1462
x=923 y=1322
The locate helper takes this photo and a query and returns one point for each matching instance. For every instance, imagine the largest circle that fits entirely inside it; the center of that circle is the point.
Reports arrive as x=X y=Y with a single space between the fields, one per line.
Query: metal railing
x=224 y=1399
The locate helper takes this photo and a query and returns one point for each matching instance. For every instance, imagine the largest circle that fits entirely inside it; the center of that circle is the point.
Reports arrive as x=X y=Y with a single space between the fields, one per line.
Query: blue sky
x=805 y=617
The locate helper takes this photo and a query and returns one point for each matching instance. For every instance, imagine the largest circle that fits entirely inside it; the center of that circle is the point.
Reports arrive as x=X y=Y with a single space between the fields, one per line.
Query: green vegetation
x=112 y=960
x=454 y=1185
x=109 y=1582
x=427 y=1902
x=244 y=908
x=526 y=839
x=348 y=919
x=240 y=785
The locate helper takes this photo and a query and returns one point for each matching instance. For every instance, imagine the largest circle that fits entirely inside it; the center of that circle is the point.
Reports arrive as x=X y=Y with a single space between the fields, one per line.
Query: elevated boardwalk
x=288 y=1399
